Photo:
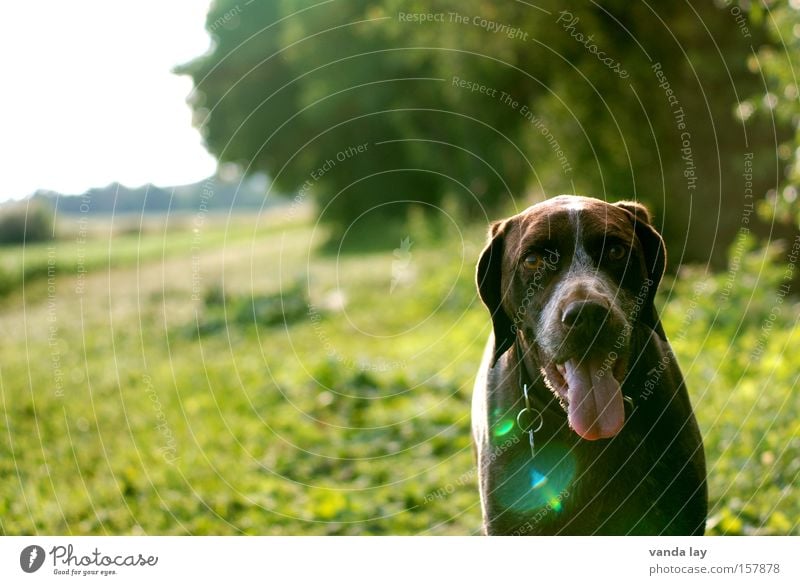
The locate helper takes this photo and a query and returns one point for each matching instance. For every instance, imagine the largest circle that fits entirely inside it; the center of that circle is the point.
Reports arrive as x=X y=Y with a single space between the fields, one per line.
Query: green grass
x=99 y=244
x=735 y=335
x=157 y=403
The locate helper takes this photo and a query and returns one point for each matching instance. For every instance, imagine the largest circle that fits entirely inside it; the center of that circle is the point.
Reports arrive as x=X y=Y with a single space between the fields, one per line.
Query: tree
x=26 y=222
x=490 y=106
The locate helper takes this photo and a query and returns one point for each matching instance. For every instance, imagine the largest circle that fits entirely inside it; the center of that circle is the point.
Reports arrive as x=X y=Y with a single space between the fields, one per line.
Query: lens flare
x=503 y=427
x=538 y=479
x=537 y=484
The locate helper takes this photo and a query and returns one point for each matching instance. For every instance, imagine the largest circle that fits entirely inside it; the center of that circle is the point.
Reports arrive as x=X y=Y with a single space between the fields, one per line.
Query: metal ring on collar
x=527 y=421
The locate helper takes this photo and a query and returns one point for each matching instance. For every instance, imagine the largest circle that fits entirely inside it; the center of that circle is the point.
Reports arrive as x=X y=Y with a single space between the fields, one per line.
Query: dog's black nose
x=584 y=314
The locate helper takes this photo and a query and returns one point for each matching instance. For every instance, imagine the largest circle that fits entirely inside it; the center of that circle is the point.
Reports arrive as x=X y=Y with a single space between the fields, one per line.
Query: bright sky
x=88 y=97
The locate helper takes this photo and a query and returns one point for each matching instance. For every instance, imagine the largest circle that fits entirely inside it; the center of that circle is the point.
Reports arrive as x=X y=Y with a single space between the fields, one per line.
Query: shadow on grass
x=384 y=233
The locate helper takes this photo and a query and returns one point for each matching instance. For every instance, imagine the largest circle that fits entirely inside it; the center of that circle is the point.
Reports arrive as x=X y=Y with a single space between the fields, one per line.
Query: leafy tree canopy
x=367 y=107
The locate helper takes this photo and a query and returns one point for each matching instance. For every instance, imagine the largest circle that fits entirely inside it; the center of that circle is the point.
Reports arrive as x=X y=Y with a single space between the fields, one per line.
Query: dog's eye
x=617 y=252
x=533 y=261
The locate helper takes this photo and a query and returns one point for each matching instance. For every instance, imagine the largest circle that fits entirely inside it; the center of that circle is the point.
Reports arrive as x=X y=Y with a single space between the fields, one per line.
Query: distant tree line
x=214 y=193
x=33 y=220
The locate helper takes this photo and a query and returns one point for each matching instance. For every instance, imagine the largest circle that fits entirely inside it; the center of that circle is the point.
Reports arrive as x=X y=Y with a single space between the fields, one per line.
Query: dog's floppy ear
x=489 y=276
x=655 y=257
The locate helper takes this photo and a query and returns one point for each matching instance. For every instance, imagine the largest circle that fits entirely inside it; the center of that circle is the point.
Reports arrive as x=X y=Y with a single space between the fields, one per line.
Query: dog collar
x=529 y=419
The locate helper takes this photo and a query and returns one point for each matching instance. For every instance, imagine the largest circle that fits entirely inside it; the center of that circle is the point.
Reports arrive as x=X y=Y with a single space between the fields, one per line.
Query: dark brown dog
x=570 y=284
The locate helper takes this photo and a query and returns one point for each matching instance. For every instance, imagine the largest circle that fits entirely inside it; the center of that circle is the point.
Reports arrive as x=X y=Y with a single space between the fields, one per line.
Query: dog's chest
x=598 y=487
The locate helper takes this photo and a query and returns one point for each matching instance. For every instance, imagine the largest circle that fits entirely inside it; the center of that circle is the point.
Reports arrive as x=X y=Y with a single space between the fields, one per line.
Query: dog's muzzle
x=587 y=364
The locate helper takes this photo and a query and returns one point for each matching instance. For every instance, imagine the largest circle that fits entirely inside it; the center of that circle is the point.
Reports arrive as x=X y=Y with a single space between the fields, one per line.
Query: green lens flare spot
x=537 y=479
x=503 y=427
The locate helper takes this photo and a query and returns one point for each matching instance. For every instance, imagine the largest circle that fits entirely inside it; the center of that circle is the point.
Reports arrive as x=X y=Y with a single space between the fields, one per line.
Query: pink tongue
x=596 y=410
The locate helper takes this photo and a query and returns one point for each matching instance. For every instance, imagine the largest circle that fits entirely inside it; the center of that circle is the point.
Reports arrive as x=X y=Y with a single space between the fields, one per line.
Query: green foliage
x=778 y=64
x=291 y=88
x=734 y=335
x=221 y=311
x=26 y=222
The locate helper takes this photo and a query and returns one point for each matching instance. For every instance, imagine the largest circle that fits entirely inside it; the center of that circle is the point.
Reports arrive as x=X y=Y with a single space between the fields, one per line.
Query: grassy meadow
x=217 y=375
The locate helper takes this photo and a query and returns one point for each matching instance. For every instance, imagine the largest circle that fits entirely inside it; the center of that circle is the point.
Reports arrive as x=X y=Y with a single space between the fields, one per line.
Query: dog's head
x=573 y=276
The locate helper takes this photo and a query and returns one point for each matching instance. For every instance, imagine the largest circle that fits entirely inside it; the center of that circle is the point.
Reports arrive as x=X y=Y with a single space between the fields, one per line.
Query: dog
x=581 y=420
